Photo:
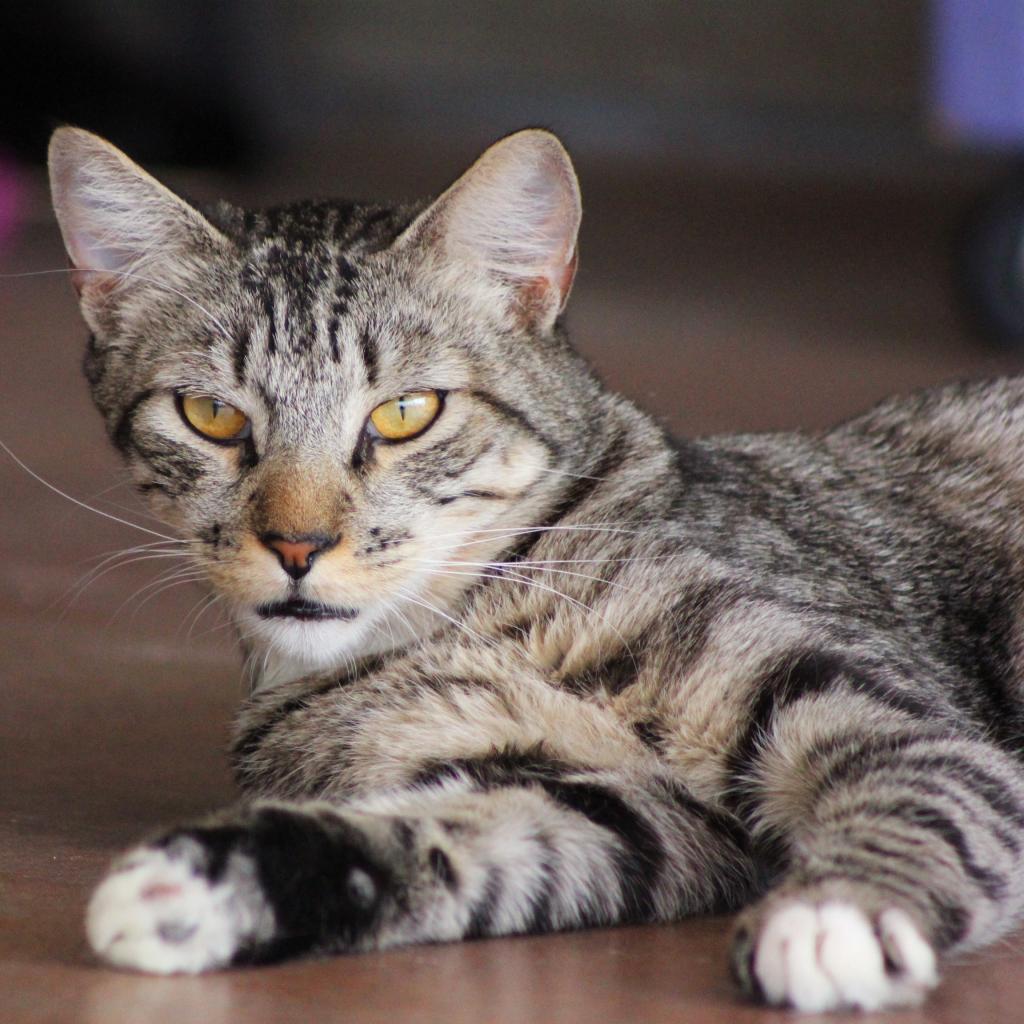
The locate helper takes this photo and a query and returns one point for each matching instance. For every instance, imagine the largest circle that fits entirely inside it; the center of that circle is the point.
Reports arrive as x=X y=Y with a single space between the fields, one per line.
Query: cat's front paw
x=161 y=909
x=832 y=955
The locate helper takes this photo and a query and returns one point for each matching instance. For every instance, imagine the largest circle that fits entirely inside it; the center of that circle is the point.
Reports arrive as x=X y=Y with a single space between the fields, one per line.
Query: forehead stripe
x=370 y=352
x=332 y=337
x=346 y=287
x=267 y=297
x=243 y=339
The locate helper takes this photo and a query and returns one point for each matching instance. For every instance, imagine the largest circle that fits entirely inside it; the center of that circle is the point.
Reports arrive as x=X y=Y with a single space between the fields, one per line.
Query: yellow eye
x=213 y=418
x=407 y=415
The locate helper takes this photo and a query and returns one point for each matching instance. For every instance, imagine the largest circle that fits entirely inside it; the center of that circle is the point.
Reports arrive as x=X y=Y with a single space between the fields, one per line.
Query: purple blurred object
x=10 y=194
x=978 y=71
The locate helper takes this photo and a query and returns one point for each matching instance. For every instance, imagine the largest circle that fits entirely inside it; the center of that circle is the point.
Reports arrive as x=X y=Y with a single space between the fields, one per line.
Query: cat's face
x=346 y=411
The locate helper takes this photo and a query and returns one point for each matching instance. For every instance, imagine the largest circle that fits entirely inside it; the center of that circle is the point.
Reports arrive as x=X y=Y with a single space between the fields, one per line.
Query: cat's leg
x=497 y=846
x=903 y=842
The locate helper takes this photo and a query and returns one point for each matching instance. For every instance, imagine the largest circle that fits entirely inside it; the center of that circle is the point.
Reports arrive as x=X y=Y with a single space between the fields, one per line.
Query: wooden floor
x=719 y=305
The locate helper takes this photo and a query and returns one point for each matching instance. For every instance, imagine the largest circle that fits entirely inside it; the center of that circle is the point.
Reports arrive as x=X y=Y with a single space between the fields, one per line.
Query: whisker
x=220 y=625
x=517 y=531
x=565 y=472
x=405 y=595
x=114 y=552
x=555 y=561
x=204 y=604
x=183 y=574
x=56 y=490
x=76 y=590
x=526 y=581
x=174 y=581
x=131 y=274
x=170 y=547
x=96 y=496
x=503 y=570
x=139 y=512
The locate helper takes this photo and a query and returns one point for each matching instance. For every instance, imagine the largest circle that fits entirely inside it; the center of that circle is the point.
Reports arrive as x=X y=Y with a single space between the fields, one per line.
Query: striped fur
x=585 y=675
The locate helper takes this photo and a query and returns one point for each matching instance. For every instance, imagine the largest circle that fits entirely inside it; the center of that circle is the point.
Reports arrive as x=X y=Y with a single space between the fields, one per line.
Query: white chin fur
x=295 y=648
x=312 y=646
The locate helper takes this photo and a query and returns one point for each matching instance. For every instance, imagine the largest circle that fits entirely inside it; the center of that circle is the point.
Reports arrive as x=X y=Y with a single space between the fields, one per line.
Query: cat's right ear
x=121 y=227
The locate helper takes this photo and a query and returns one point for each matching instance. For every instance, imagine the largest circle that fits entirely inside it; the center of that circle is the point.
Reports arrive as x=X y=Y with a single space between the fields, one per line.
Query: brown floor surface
x=719 y=305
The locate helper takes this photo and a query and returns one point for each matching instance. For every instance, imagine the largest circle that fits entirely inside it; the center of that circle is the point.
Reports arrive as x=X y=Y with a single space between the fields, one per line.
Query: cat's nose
x=296 y=554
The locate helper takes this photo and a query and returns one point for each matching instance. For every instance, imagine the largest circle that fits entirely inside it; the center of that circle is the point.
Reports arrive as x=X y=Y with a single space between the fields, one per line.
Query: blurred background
x=782 y=197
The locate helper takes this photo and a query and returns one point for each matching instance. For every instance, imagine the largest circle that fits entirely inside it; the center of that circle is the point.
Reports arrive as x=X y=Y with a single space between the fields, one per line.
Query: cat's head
x=346 y=409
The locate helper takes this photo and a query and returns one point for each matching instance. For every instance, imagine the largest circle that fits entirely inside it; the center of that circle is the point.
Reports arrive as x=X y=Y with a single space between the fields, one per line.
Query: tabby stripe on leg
x=926 y=818
x=868 y=757
x=641 y=854
x=481 y=919
x=895 y=777
x=249 y=741
x=805 y=674
x=548 y=868
x=308 y=867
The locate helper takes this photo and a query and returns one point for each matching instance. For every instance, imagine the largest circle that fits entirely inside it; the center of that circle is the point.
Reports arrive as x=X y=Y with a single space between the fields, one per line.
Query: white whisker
x=185 y=574
x=526 y=581
x=106 y=515
x=204 y=604
x=132 y=274
x=173 y=582
x=406 y=596
x=556 y=561
x=497 y=533
x=565 y=472
x=502 y=569
x=76 y=590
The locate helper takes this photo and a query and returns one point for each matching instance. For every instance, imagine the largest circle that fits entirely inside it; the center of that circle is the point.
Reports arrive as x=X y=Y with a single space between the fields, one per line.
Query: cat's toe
x=157 y=911
x=831 y=955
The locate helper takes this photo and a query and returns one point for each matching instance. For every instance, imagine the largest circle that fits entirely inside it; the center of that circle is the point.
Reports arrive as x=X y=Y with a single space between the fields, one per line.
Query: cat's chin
x=297 y=645
x=308 y=644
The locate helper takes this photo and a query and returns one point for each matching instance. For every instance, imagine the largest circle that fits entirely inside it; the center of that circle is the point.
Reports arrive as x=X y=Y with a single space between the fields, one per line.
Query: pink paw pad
x=160 y=891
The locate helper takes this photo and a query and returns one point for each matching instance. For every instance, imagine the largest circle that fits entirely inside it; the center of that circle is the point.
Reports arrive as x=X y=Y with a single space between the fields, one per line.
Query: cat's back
x=957 y=451
x=905 y=520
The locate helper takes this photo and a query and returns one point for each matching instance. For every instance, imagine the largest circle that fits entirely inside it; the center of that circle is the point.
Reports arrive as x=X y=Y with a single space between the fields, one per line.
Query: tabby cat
x=524 y=664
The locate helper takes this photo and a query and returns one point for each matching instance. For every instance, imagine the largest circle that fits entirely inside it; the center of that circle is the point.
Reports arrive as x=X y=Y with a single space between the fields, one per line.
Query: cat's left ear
x=512 y=219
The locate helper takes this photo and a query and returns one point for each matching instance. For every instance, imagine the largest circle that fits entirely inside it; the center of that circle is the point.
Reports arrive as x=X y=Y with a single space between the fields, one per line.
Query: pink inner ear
x=565 y=279
x=99 y=283
x=535 y=293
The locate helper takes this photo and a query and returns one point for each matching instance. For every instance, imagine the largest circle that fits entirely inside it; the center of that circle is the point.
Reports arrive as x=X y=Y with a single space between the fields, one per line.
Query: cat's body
x=530 y=666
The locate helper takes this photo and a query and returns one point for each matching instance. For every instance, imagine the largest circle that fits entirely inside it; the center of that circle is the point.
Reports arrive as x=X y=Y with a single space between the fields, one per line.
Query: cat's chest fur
x=616 y=665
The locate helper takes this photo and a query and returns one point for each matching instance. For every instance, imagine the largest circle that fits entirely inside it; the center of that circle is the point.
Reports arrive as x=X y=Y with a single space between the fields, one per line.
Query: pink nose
x=296 y=556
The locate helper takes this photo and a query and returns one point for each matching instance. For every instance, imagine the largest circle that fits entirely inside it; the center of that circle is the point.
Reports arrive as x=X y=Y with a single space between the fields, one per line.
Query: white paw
x=156 y=911
x=830 y=957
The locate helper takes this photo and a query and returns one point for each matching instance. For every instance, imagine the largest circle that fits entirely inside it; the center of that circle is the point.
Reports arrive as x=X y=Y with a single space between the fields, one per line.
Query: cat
x=523 y=662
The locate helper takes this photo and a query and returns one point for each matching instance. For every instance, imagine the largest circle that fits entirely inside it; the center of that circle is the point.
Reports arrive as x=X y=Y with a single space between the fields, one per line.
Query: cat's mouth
x=304 y=609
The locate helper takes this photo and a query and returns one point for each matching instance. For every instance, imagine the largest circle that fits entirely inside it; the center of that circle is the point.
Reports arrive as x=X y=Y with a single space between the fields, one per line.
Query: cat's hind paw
x=158 y=910
x=833 y=956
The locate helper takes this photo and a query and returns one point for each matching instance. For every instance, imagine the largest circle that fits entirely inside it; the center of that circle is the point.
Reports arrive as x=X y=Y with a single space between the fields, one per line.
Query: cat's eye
x=213 y=418
x=406 y=416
